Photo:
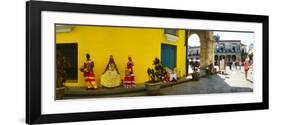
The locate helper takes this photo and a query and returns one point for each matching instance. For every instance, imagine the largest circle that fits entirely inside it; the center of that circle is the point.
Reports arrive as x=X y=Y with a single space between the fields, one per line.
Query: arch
x=206 y=42
x=222 y=57
x=194 y=40
x=194 y=52
x=221 y=47
x=228 y=57
x=216 y=59
x=233 y=57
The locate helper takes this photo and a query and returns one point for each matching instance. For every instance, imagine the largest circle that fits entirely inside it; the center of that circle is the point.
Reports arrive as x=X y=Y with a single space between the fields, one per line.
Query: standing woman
x=89 y=75
x=230 y=65
x=111 y=76
x=129 y=80
x=222 y=66
x=239 y=64
x=246 y=68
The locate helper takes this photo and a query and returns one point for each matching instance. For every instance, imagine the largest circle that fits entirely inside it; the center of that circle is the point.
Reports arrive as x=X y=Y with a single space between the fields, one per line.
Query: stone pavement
x=232 y=81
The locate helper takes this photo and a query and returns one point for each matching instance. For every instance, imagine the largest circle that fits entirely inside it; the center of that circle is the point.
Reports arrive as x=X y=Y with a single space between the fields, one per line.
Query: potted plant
x=61 y=66
x=156 y=76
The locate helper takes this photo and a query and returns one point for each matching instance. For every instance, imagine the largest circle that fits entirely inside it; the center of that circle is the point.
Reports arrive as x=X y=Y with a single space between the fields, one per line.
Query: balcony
x=227 y=51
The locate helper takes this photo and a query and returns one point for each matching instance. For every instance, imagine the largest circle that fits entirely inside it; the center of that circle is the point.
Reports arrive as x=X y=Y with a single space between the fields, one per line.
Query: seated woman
x=111 y=76
x=211 y=68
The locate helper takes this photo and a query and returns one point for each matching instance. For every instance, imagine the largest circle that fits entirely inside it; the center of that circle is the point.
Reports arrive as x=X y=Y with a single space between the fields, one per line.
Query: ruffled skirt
x=110 y=79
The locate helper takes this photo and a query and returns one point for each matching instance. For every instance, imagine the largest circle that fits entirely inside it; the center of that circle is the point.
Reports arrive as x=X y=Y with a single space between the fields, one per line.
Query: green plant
x=158 y=73
x=61 y=66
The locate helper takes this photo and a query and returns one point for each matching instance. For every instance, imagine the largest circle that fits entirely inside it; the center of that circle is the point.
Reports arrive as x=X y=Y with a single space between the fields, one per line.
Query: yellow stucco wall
x=142 y=44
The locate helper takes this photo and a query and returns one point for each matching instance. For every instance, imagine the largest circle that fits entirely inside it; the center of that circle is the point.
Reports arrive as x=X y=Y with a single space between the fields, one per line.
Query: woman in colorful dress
x=129 y=80
x=110 y=77
x=89 y=75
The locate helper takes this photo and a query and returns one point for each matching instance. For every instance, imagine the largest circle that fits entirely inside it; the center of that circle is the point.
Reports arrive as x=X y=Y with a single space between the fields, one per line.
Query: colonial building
x=194 y=53
x=231 y=50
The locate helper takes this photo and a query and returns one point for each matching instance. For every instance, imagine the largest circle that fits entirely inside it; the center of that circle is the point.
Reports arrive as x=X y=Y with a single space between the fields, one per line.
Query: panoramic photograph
x=109 y=61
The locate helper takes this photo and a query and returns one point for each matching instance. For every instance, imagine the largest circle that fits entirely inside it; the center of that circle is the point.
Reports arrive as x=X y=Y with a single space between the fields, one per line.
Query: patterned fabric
x=129 y=79
x=88 y=71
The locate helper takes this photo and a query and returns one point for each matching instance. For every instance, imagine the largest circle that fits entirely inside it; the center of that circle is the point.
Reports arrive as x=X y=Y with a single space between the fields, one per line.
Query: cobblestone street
x=230 y=82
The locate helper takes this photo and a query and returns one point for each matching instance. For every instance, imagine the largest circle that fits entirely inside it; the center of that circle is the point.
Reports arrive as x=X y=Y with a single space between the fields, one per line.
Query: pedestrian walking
x=234 y=65
x=230 y=65
x=246 y=68
x=222 y=66
x=239 y=64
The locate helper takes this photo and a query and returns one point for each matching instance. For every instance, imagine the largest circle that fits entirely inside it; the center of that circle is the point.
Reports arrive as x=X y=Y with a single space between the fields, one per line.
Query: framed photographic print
x=95 y=62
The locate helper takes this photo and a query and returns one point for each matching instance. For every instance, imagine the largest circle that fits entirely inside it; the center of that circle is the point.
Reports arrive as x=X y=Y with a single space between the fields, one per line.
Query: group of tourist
x=110 y=77
x=234 y=64
x=245 y=64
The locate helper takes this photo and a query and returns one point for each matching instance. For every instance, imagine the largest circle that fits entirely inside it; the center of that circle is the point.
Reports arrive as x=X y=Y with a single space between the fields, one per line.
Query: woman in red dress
x=89 y=75
x=246 y=68
x=129 y=80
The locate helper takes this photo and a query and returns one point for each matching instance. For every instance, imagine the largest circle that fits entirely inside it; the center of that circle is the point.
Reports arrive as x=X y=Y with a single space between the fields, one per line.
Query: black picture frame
x=33 y=61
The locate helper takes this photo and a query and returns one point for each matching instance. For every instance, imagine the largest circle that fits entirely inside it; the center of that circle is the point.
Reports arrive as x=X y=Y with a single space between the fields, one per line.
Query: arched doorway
x=228 y=58
x=222 y=57
x=233 y=58
x=204 y=42
x=193 y=52
x=216 y=59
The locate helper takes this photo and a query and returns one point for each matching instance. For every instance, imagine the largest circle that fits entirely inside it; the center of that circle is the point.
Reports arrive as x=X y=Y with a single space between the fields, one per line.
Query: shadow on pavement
x=206 y=85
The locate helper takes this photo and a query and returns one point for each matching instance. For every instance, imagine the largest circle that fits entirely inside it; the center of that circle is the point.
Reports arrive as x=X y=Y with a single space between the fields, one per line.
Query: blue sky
x=246 y=38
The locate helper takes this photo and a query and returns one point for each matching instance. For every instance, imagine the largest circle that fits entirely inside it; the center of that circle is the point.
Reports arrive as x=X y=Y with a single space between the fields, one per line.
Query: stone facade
x=207 y=43
x=194 y=53
x=231 y=50
x=212 y=49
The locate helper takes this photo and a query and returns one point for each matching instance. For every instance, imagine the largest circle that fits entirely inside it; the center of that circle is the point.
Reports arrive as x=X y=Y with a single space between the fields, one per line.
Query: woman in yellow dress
x=111 y=76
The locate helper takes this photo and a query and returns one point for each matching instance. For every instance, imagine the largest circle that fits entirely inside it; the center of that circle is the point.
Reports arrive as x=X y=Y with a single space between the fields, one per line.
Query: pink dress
x=246 y=66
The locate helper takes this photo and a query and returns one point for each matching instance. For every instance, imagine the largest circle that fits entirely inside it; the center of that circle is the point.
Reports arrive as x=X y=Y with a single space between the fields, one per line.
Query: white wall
x=12 y=64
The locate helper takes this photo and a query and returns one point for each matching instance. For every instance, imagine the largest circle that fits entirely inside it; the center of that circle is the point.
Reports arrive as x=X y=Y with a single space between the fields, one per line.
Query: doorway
x=168 y=56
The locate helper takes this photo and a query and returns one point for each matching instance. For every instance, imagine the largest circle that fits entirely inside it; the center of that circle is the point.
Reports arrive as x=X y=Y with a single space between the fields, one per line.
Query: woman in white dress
x=111 y=77
x=222 y=66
